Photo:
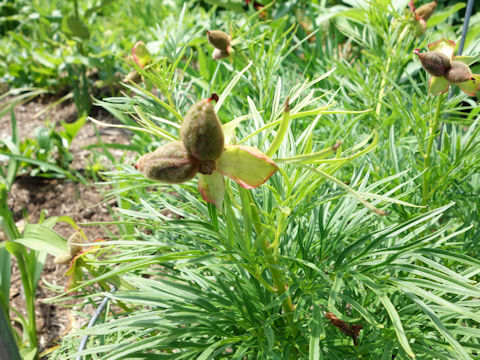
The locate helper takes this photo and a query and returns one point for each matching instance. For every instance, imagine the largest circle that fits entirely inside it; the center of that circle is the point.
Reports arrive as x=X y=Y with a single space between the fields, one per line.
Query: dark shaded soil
x=57 y=197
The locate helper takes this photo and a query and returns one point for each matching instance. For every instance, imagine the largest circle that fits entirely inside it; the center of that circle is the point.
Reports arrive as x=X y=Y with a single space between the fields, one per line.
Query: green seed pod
x=434 y=62
x=76 y=238
x=425 y=11
x=201 y=131
x=218 y=39
x=170 y=163
x=63 y=259
x=458 y=73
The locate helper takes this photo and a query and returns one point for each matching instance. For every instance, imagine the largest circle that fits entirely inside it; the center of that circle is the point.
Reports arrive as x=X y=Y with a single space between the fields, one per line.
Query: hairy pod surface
x=425 y=11
x=458 y=73
x=434 y=62
x=170 y=163
x=201 y=132
x=63 y=259
x=218 y=39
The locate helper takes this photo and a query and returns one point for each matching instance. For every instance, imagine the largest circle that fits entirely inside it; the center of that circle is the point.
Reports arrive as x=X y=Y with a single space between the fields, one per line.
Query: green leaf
x=78 y=28
x=212 y=188
x=447 y=47
x=438 y=85
x=248 y=166
x=392 y=313
x=440 y=16
x=471 y=87
x=281 y=132
x=42 y=238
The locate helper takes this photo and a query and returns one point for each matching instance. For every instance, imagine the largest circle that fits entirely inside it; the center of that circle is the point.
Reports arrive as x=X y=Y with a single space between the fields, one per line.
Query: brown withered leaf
x=350 y=330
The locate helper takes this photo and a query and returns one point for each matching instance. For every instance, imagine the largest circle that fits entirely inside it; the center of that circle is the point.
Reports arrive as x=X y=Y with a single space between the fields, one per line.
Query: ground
x=32 y=195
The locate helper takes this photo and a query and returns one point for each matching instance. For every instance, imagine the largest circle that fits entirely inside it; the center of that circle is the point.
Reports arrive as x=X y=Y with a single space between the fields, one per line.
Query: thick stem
x=432 y=130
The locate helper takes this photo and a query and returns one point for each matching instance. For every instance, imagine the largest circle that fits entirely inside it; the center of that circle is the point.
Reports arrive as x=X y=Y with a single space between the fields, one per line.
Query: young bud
x=140 y=54
x=458 y=73
x=219 y=39
x=201 y=131
x=434 y=62
x=170 y=163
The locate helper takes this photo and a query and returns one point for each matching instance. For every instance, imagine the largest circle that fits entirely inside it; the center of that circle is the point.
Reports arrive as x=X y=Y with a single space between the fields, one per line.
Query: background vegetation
x=257 y=277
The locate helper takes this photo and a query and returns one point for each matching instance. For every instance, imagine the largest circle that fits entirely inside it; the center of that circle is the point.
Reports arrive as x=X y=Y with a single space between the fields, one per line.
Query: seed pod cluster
x=202 y=144
x=221 y=42
x=438 y=64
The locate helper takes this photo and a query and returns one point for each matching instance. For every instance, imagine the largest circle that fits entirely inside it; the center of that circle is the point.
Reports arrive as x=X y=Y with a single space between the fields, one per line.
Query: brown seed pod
x=170 y=163
x=425 y=11
x=219 y=39
x=434 y=62
x=458 y=73
x=201 y=131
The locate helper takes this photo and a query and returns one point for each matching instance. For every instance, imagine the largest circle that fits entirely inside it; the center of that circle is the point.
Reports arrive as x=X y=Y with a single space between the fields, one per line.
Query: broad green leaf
x=78 y=28
x=467 y=60
x=248 y=166
x=440 y=15
x=212 y=188
x=438 y=85
x=471 y=87
x=445 y=46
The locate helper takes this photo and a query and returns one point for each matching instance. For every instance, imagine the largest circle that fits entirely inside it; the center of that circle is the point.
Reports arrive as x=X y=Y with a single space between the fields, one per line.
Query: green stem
x=383 y=84
x=281 y=286
x=432 y=130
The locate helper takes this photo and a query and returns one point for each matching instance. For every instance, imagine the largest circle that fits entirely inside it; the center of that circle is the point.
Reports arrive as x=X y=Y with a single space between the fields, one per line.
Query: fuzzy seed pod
x=434 y=62
x=170 y=163
x=425 y=11
x=219 y=54
x=218 y=39
x=76 y=238
x=63 y=259
x=458 y=73
x=201 y=131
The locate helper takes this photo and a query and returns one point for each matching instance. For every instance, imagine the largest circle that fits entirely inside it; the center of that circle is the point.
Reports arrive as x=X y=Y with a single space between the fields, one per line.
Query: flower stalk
x=432 y=130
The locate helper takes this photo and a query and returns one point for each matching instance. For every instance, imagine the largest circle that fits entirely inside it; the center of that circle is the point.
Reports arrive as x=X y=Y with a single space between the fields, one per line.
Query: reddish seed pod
x=434 y=62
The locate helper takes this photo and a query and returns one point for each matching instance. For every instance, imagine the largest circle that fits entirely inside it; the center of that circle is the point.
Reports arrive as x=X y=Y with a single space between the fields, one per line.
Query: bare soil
x=57 y=197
